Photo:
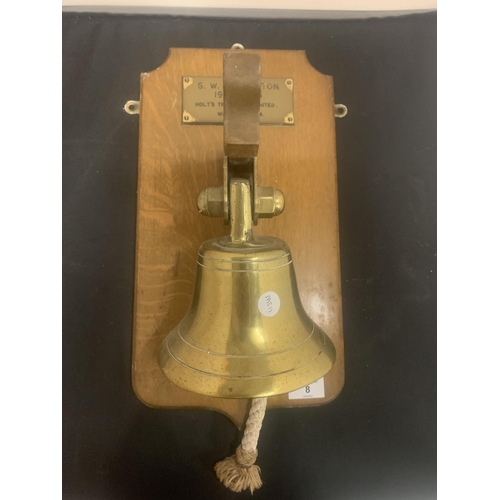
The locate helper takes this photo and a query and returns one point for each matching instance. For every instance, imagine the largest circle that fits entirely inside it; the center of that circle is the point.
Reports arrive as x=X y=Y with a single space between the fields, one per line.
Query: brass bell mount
x=241 y=141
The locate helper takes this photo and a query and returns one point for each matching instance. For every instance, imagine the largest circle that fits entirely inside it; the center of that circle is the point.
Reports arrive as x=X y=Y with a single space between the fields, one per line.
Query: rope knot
x=246 y=458
x=239 y=472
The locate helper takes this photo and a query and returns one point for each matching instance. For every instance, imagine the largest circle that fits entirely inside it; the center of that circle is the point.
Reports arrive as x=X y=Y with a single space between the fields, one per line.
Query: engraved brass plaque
x=203 y=103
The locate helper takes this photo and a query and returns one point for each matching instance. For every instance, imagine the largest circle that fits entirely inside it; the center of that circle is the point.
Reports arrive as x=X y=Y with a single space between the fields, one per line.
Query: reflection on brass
x=186 y=82
x=187 y=118
x=203 y=100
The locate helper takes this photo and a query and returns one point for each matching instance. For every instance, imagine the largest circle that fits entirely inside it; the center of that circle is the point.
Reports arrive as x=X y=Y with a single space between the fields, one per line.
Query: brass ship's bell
x=246 y=334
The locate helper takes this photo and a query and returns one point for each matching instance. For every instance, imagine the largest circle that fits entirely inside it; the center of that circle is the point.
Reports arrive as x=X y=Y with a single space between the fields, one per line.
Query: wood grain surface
x=177 y=161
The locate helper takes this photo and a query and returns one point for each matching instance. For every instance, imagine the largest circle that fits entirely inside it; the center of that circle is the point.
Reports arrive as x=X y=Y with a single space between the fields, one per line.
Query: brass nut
x=211 y=202
x=271 y=202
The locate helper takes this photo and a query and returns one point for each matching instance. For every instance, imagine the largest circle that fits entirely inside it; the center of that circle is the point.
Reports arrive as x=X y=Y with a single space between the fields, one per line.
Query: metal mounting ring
x=132 y=107
x=340 y=110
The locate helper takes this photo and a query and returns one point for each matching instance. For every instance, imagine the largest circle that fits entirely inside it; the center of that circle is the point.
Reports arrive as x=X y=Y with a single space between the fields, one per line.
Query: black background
x=377 y=439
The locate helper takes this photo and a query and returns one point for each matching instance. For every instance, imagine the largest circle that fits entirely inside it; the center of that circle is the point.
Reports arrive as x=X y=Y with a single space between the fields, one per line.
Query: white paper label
x=314 y=390
x=269 y=304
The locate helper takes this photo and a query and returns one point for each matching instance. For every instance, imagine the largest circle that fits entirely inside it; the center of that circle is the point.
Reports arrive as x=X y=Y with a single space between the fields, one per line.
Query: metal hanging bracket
x=242 y=90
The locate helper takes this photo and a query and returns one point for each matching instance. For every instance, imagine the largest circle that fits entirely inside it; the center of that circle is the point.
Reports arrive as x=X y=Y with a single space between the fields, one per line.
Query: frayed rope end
x=239 y=472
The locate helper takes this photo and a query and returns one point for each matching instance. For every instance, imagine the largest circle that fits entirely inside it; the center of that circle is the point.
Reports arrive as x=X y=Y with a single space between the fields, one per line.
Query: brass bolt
x=271 y=202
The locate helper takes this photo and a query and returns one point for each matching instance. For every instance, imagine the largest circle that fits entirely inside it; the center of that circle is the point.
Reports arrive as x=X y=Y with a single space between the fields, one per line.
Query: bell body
x=246 y=334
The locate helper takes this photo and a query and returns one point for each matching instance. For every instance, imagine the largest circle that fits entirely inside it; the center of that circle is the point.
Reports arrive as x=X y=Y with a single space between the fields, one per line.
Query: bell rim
x=195 y=381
